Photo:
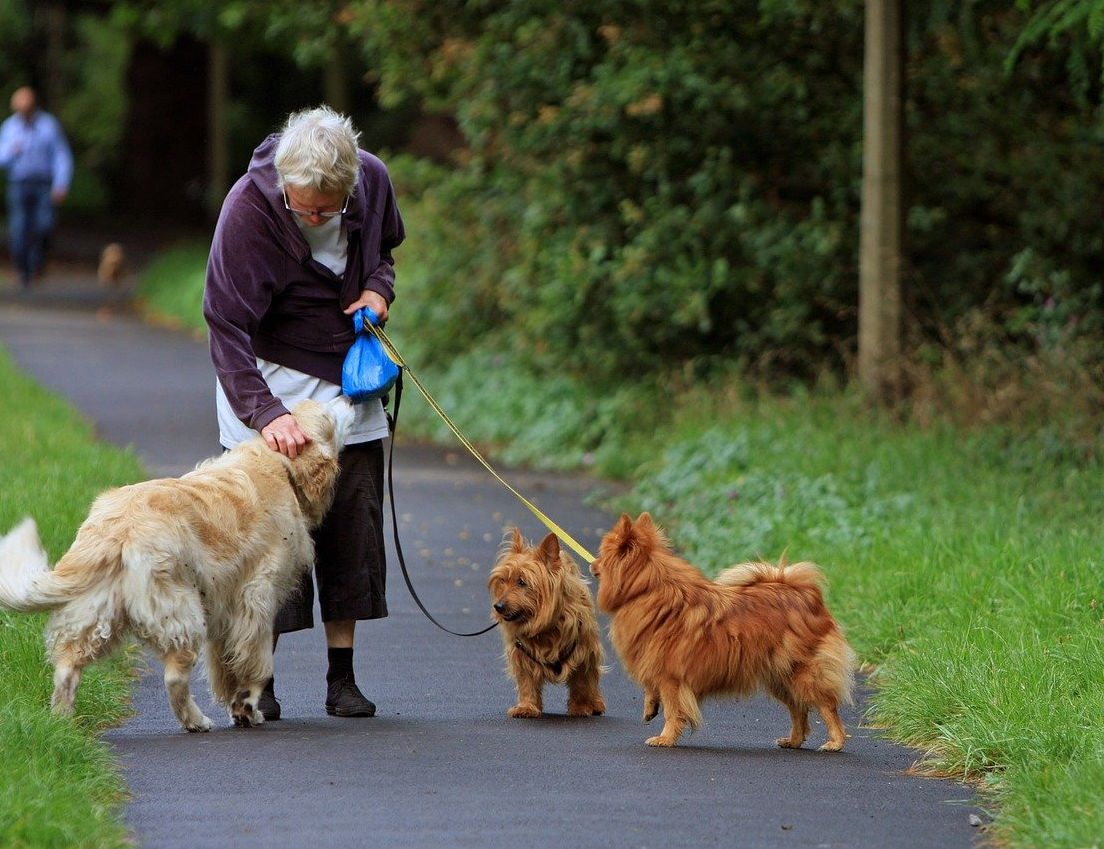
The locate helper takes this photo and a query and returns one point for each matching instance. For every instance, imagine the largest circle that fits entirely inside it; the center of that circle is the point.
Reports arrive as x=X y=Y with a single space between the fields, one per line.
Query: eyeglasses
x=319 y=213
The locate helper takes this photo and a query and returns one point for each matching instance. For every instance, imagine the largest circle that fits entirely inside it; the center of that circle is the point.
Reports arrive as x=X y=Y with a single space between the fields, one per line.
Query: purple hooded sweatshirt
x=267 y=297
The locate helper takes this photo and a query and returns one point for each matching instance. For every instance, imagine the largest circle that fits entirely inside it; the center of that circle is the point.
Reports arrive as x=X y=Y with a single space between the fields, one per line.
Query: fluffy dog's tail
x=802 y=574
x=834 y=660
x=26 y=582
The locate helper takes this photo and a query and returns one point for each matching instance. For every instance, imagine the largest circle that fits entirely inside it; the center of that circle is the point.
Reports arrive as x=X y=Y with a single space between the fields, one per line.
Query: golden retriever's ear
x=313 y=475
x=549 y=552
x=517 y=543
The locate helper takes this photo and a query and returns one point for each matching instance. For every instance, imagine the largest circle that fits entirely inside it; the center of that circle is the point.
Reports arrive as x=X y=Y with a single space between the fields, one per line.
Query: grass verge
x=171 y=287
x=59 y=786
x=964 y=563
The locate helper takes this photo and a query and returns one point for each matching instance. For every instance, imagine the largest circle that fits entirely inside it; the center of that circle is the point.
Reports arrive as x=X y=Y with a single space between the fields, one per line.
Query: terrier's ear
x=549 y=552
x=624 y=526
x=644 y=521
x=517 y=543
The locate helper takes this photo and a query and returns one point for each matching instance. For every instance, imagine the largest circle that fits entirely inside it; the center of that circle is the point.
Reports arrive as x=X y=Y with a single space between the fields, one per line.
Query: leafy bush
x=654 y=183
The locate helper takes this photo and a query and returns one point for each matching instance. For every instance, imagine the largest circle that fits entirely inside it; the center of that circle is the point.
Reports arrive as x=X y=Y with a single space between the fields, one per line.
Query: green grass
x=171 y=287
x=59 y=786
x=965 y=564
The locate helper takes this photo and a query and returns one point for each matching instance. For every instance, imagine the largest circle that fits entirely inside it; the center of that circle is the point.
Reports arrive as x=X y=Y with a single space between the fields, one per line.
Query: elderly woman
x=303 y=241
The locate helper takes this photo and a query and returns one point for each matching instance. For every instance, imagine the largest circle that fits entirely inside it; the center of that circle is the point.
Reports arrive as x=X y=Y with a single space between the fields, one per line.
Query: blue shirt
x=36 y=150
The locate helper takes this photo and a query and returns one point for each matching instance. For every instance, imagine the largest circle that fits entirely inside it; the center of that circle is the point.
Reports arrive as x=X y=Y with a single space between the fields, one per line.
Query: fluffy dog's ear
x=647 y=533
x=549 y=552
x=623 y=532
x=517 y=543
x=313 y=475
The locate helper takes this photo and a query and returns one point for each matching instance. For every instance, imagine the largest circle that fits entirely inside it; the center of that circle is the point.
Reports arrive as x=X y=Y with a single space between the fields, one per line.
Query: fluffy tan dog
x=178 y=562
x=112 y=267
x=683 y=637
x=549 y=629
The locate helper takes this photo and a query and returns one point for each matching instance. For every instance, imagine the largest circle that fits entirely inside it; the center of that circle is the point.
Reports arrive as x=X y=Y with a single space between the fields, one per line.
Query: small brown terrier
x=549 y=629
x=683 y=637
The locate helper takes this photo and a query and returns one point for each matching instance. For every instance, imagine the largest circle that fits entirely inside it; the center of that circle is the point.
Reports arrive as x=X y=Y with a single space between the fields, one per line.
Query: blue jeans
x=30 y=220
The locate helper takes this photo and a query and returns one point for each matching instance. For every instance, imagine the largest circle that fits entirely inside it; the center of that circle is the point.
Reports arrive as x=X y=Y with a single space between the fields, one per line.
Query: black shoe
x=343 y=698
x=267 y=703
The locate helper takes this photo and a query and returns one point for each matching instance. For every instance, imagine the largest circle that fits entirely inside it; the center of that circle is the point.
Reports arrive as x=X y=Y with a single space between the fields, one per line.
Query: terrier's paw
x=788 y=743
x=522 y=711
x=662 y=741
x=595 y=708
x=832 y=746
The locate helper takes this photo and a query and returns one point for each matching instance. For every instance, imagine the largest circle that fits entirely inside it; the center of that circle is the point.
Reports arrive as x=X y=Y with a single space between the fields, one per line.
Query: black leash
x=395 y=521
x=556 y=668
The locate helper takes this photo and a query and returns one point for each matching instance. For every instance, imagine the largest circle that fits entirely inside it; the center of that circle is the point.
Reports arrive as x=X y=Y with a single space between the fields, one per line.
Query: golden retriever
x=207 y=558
x=683 y=637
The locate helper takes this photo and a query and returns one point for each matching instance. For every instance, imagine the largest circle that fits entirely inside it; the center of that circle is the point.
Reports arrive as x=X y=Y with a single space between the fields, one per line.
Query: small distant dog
x=205 y=558
x=683 y=637
x=549 y=629
x=112 y=266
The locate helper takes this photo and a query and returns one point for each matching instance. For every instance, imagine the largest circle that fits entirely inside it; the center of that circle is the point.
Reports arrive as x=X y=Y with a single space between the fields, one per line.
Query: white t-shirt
x=329 y=246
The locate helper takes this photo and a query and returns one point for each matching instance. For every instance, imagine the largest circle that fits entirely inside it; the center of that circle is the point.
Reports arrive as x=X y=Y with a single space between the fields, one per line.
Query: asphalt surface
x=441 y=765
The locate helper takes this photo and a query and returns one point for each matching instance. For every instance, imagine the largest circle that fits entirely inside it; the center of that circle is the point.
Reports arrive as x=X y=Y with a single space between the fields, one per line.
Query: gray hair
x=318 y=150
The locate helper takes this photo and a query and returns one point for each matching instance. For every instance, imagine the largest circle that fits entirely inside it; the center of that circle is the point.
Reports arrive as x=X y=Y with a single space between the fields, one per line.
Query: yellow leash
x=393 y=353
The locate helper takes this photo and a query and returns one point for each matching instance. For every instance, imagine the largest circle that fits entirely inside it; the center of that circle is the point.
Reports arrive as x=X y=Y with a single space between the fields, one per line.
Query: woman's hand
x=283 y=434
x=373 y=300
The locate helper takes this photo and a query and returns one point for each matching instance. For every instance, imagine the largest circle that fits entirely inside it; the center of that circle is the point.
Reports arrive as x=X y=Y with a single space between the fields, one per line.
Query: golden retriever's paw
x=245 y=712
x=197 y=724
x=662 y=741
x=832 y=746
x=524 y=712
x=788 y=743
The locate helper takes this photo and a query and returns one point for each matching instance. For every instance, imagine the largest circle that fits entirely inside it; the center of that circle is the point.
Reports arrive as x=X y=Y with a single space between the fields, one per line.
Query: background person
x=304 y=239
x=36 y=156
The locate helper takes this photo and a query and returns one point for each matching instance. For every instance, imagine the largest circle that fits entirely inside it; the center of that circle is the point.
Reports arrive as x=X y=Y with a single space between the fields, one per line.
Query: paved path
x=441 y=765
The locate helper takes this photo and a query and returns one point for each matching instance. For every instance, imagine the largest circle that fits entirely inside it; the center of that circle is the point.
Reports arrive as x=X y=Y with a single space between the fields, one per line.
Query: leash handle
x=395 y=519
x=393 y=353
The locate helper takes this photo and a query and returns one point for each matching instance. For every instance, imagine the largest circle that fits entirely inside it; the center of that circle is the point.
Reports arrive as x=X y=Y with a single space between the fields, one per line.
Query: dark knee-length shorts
x=350 y=565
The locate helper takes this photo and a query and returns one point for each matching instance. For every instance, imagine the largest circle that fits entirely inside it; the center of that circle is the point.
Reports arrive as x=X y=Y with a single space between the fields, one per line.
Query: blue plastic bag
x=367 y=372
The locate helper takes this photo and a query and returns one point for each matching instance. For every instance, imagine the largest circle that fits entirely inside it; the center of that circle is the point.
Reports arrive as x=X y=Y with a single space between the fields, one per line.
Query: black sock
x=341 y=665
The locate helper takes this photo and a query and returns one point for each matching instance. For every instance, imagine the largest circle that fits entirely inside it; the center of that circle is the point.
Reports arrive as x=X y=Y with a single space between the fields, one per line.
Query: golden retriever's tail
x=26 y=582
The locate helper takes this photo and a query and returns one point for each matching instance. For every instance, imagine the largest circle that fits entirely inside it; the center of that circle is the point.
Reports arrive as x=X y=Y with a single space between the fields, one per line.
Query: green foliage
x=95 y=106
x=15 y=30
x=171 y=287
x=1074 y=28
x=59 y=786
x=662 y=200
x=649 y=184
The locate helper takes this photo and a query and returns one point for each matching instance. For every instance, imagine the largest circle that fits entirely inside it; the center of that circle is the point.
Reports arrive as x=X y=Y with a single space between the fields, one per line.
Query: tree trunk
x=218 y=95
x=882 y=223
x=51 y=17
x=337 y=81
